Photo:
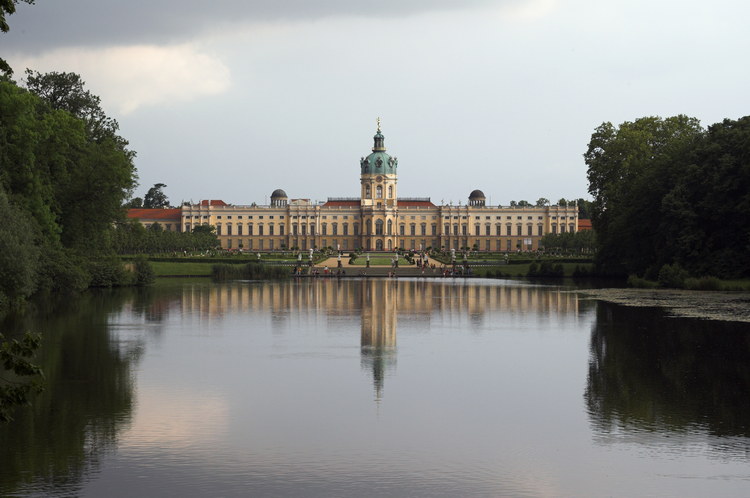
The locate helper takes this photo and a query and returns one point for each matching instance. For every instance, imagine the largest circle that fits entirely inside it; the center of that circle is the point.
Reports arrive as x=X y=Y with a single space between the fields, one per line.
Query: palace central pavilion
x=377 y=220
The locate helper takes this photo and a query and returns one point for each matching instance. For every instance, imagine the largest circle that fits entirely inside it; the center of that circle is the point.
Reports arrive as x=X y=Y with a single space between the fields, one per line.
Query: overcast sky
x=232 y=99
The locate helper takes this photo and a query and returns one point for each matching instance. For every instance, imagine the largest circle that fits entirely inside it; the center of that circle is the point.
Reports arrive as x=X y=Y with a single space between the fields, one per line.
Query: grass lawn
x=165 y=269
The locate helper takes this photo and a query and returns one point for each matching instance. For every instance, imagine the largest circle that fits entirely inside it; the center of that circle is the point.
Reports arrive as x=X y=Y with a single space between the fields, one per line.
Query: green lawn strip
x=168 y=269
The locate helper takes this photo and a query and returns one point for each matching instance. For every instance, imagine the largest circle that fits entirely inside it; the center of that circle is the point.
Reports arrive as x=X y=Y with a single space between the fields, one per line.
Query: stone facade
x=379 y=220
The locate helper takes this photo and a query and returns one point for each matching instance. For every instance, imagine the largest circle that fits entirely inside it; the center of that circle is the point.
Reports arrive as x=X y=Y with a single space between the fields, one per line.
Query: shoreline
x=706 y=305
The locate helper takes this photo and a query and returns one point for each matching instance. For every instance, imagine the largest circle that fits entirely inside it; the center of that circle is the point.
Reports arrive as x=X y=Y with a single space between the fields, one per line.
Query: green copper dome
x=379 y=162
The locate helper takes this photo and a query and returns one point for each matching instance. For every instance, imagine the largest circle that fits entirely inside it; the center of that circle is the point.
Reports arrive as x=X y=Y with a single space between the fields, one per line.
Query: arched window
x=390 y=227
x=368 y=194
x=379 y=192
x=390 y=191
x=379 y=227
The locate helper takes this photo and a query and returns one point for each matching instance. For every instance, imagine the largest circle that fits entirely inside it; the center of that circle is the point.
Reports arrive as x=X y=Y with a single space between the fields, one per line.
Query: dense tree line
x=667 y=191
x=134 y=238
x=583 y=242
x=64 y=174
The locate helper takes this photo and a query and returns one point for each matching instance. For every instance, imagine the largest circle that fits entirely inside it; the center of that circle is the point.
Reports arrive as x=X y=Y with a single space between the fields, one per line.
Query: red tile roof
x=425 y=204
x=213 y=203
x=584 y=224
x=155 y=214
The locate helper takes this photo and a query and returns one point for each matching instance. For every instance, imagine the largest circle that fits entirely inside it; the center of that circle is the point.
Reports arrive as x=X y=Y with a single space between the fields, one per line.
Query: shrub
x=108 y=273
x=641 y=283
x=144 y=272
x=672 y=276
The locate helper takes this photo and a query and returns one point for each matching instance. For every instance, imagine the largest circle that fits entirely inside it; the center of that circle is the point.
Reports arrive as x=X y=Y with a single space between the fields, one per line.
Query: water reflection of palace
x=347 y=297
x=377 y=303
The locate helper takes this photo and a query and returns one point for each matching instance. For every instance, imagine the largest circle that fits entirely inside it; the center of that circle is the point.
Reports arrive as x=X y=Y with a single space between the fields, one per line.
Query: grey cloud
x=54 y=23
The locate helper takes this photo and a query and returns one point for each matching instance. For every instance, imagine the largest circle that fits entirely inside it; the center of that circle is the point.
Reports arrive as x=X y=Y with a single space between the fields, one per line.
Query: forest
x=671 y=195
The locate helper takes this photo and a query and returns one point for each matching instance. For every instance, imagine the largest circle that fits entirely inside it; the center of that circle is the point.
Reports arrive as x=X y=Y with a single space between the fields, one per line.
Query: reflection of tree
x=378 y=328
x=88 y=396
x=668 y=374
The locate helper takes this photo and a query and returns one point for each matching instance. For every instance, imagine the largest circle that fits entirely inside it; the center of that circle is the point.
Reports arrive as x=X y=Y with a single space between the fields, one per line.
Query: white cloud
x=131 y=77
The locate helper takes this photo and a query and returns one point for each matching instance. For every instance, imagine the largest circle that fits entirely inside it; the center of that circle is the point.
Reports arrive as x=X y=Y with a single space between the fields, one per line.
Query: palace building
x=378 y=220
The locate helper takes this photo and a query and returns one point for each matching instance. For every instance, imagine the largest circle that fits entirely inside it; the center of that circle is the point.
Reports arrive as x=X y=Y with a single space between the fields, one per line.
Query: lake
x=375 y=387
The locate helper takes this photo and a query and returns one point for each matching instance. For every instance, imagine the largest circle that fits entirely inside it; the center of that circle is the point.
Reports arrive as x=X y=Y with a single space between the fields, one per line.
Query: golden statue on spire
x=378 y=124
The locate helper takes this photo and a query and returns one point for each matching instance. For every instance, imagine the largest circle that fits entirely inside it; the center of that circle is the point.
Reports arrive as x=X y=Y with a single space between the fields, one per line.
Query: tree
x=7 y=7
x=584 y=208
x=542 y=201
x=523 y=203
x=155 y=198
x=630 y=169
x=66 y=91
x=134 y=203
x=562 y=202
x=19 y=255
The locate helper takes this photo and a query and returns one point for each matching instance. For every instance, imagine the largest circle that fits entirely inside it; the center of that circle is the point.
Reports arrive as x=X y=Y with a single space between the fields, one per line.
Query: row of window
x=343 y=245
x=387 y=229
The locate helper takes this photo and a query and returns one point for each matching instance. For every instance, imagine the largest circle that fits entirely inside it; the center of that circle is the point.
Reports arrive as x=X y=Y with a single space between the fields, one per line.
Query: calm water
x=379 y=388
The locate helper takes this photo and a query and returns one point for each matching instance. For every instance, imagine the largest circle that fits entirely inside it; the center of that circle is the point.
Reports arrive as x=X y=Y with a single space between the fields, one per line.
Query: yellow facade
x=379 y=220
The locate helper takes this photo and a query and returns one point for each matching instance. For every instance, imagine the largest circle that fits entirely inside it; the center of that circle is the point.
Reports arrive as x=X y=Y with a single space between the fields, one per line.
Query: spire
x=379 y=140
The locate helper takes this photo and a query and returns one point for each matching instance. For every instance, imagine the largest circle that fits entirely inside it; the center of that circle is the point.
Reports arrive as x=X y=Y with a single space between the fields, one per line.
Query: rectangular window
x=260 y=244
x=540 y=230
x=294 y=230
x=434 y=230
x=510 y=230
x=519 y=230
x=270 y=229
x=281 y=229
x=335 y=229
x=346 y=228
x=239 y=229
x=464 y=230
x=270 y=244
x=529 y=230
x=304 y=229
x=488 y=230
x=218 y=229
x=249 y=229
x=423 y=229
x=412 y=230
x=260 y=232
x=401 y=230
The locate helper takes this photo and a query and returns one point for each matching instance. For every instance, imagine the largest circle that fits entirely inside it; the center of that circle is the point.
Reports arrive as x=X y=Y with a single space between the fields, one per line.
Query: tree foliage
x=155 y=197
x=134 y=238
x=667 y=191
x=63 y=179
x=583 y=242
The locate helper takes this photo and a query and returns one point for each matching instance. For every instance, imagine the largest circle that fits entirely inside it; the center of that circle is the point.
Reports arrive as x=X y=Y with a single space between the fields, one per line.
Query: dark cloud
x=56 y=23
